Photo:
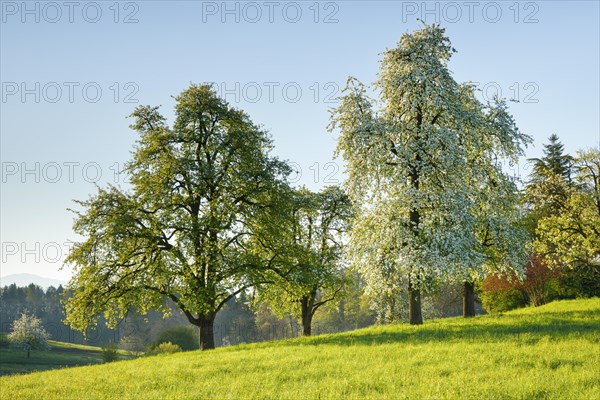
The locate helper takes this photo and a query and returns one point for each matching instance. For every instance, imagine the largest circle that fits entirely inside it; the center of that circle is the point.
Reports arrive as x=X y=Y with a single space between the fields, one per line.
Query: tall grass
x=549 y=352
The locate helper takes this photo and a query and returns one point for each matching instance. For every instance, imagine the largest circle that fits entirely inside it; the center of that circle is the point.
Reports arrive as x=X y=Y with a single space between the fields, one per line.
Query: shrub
x=165 y=348
x=4 y=342
x=581 y=281
x=541 y=284
x=183 y=336
x=503 y=292
x=110 y=353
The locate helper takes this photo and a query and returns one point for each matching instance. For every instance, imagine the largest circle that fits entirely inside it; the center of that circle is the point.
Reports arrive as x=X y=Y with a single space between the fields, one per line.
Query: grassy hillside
x=15 y=361
x=537 y=353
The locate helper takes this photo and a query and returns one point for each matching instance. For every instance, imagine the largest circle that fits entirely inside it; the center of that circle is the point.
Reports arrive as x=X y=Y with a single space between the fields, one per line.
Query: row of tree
x=241 y=320
x=210 y=214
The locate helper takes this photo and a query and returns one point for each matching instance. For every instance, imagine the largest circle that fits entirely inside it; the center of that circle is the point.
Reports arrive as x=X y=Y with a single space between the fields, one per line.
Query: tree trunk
x=306 y=324
x=306 y=304
x=468 y=299
x=415 y=317
x=28 y=351
x=342 y=310
x=207 y=333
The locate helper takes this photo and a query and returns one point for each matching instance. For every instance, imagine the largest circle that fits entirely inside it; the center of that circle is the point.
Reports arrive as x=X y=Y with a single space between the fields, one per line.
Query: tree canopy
x=314 y=271
x=423 y=163
x=554 y=161
x=550 y=180
x=199 y=191
x=27 y=332
x=571 y=237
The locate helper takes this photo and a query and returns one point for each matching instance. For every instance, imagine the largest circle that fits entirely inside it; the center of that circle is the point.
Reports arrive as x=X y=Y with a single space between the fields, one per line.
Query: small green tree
x=132 y=344
x=311 y=254
x=352 y=310
x=502 y=292
x=554 y=161
x=28 y=333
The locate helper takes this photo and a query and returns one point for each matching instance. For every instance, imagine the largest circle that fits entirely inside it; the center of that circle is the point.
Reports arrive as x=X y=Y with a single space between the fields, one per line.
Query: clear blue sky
x=545 y=53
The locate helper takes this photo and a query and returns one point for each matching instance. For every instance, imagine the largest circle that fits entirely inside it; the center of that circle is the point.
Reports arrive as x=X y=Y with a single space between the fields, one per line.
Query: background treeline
x=240 y=321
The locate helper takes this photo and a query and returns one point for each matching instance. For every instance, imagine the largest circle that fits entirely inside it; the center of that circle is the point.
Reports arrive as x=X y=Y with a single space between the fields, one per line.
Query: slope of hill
x=551 y=351
x=60 y=355
x=22 y=280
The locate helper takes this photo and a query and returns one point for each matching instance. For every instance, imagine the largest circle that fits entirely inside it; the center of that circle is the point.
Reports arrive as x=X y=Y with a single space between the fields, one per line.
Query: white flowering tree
x=423 y=165
x=493 y=138
x=28 y=333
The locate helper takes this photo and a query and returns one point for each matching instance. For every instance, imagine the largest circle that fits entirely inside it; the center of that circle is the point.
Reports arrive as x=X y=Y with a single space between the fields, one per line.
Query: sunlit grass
x=547 y=352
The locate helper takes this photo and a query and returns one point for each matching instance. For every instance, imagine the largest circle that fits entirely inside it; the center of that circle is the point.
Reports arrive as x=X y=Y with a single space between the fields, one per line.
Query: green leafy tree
x=572 y=237
x=555 y=161
x=549 y=183
x=27 y=332
x=313 y=272
x=502 y=292
x=416 y=164
x=199 y=190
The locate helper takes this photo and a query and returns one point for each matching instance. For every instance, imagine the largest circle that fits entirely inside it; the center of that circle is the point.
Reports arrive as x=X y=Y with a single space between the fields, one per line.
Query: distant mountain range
x=27 y=279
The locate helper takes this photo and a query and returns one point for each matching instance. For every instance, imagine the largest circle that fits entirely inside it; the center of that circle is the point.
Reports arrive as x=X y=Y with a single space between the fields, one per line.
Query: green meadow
x=548 y=352
x=15 y=361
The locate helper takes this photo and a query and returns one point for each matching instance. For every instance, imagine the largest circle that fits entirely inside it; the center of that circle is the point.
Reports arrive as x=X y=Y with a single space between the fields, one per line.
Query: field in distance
x=15 y=361
x=548 y=352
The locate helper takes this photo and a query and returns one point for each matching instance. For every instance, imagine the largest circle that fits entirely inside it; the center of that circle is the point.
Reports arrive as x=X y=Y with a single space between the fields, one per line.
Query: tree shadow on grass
x=525 y=329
